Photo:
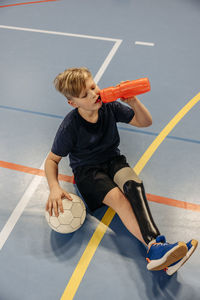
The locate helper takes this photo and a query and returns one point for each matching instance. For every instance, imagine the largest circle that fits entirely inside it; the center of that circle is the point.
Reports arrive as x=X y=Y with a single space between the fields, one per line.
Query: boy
x=89 y=135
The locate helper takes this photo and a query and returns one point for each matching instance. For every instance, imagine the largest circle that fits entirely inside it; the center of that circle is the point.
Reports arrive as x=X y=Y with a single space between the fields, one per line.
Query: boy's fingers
x=60 y=205
x=50 y=208
x=55 y=208
x=57 y=205
x=68 y=196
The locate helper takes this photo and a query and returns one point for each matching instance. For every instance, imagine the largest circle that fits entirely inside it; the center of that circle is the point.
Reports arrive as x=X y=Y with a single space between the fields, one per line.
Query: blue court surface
x=117 y=40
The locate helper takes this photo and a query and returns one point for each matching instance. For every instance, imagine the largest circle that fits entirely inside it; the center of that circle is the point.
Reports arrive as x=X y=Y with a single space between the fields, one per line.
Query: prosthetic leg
x=132 y=187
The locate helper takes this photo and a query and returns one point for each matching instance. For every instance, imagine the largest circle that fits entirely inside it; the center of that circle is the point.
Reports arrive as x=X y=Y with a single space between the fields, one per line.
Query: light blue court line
x=119 y=127
x=31 y=112
x=156 y=134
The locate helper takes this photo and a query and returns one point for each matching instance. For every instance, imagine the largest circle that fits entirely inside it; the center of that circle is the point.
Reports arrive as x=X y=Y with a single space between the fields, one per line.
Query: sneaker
x=191 y=245
x=161 y=254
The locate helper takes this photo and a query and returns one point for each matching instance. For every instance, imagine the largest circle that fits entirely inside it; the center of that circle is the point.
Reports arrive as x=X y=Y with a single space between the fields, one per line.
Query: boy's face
x=89 y=97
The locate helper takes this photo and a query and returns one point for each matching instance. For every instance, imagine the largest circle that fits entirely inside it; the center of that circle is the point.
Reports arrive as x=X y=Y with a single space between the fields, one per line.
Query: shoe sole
x=171 y=270
x=169 y=258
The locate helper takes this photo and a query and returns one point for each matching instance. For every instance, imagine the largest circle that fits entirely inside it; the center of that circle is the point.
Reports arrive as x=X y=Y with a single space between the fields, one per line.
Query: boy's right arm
x=56 y=192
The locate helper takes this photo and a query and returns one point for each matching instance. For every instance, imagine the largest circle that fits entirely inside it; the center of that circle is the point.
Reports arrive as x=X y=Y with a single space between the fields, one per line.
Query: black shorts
x=95 y=181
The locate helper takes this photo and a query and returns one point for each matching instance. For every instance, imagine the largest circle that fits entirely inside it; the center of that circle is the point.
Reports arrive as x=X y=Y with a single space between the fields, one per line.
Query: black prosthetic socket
x=135 y=193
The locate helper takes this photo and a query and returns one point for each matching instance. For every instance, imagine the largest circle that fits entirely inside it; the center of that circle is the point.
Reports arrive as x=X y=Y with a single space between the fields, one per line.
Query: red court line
x=33 y=171
x=25 y=3
x=173 y=202
x=150 y=197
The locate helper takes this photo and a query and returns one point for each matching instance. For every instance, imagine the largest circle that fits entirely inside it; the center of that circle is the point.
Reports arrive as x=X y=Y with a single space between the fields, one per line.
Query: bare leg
x=117 y=201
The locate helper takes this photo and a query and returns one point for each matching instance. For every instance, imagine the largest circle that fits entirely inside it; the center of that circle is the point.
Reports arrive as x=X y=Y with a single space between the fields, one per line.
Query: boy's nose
x=94 y=94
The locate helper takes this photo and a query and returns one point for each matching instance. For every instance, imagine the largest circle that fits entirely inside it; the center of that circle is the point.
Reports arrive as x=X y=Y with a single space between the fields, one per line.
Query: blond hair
x=72 y=81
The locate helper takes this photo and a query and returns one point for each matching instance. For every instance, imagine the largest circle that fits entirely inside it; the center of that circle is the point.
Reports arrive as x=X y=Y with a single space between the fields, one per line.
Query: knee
x=116 y=200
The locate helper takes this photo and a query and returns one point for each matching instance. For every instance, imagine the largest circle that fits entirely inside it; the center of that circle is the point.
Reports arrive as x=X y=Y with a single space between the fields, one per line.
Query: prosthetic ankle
x=132 y=187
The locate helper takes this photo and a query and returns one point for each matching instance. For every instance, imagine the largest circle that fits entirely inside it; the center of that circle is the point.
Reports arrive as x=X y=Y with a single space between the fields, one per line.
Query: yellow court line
x=94 y=242
x=87 y=256
x=164 y=133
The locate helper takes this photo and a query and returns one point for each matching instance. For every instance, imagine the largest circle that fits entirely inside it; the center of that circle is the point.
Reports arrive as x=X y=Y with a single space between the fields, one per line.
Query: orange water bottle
x=125 y=89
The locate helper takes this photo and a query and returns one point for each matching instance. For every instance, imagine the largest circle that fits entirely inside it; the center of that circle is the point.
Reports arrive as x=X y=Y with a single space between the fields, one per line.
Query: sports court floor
x=117 y=40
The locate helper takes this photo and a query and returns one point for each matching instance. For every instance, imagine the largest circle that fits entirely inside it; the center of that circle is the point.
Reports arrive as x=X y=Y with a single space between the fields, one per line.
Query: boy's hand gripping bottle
x=125 y=89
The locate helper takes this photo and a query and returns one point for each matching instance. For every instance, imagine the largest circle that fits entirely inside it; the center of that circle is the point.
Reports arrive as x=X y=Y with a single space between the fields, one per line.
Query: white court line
x=60 y=33
x=144 y=43
x=17 y=212
x=107 y=61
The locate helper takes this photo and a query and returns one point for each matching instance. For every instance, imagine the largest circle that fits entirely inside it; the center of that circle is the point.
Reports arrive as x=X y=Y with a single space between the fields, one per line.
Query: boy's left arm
x=142 y=117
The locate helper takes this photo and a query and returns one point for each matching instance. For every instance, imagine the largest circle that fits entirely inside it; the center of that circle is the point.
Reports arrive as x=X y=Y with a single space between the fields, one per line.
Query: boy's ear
x=72 y=103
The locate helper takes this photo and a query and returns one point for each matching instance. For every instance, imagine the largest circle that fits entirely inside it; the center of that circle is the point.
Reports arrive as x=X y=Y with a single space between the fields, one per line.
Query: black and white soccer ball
x=73 y=217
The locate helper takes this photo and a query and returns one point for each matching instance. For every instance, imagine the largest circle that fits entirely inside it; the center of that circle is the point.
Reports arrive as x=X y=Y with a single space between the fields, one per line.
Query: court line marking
x=174 y=202
x=31 y=112
x=107 y=61
x=172 y=137
x=119 y=127
x=144 y=43
x=84 y=36
x=81 y=268
x=163 y=134
x=25 y=3
x=32 y=171
x=67 y=178
x=17 y=212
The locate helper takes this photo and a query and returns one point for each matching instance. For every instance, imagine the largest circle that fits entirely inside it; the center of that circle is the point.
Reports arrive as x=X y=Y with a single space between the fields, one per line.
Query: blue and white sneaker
x=161 y=254
x=191 y=245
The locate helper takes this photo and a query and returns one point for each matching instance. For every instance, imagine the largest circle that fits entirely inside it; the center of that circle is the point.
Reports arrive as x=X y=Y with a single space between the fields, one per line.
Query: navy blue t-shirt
x=91 y=143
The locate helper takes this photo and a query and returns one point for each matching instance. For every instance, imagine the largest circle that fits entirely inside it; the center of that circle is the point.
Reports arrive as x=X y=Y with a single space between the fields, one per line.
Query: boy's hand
x=127 y=100
x=55 y=200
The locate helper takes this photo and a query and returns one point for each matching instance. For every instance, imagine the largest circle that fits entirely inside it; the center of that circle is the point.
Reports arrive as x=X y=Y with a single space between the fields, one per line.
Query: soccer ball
x=72 y=218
